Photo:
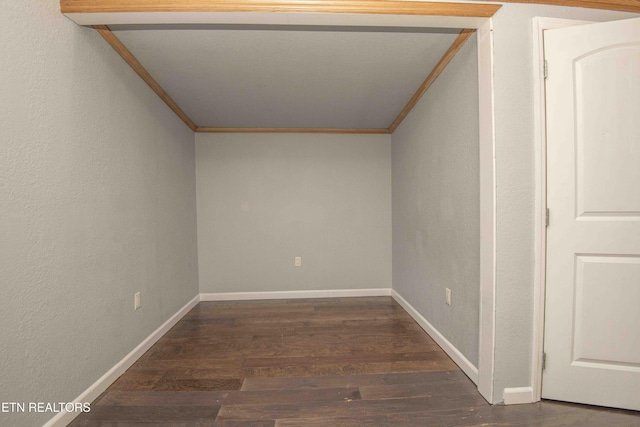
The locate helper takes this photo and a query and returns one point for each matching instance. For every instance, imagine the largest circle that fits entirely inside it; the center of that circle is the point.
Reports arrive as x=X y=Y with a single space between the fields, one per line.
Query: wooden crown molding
x=391 y=7
x=117 y=45
x=291 y=130
x=385 y=7
x=621 y=5
x=440 y=66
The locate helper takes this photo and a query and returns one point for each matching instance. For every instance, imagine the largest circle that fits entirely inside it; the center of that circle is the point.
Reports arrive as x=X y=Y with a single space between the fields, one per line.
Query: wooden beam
x=440 y=66
x=290 y=130
x=389 y=7
x=622 y=5
x=117 y=45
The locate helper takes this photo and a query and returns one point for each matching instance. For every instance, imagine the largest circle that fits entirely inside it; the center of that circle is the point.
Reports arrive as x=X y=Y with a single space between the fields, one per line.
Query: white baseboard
x=96 y=389
x=336 y=293
x=518 y=395
x=467 y=367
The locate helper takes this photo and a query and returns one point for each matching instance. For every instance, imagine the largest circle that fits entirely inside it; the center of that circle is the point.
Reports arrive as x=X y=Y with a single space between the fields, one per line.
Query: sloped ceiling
x=288 y=77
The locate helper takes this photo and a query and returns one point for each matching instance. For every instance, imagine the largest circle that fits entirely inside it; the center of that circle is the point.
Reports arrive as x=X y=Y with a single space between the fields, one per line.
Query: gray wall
x=97 y=201
x=265 y=198
x=436 y=240
x=515 y=184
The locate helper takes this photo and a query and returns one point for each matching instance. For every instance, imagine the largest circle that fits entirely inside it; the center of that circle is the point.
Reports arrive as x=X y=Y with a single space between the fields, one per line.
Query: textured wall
x=436 y=229
x=516 y=186
x=97 y=201
x=265 y=198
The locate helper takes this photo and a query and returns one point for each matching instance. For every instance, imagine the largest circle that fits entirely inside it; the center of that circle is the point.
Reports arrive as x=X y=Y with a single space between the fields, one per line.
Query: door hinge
x=546 y=218
x=544 y=361
x=546 y=69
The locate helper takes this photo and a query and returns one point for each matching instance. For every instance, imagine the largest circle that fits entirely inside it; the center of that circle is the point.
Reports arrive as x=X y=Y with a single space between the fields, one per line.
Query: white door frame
x=487 y=163
x=540 y=219
x=488 y=206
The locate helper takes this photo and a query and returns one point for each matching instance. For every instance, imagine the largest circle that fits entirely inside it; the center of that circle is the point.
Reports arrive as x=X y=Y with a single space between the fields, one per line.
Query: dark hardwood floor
x=319 y=362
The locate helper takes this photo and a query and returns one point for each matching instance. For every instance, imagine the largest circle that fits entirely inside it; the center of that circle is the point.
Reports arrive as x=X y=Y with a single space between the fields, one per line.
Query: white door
x=592 y=309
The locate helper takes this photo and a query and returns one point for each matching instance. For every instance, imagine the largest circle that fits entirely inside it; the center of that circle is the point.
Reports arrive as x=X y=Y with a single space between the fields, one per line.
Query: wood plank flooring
x=317 y=362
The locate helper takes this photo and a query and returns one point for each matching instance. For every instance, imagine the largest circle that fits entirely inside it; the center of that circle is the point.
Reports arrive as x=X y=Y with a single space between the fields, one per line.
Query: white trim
x=488 y=204
x=335 y=293
x=275 y=18
x=467 y=367
x=518 y=395
x=539 y=25
x=89 y=395
x=488 y=216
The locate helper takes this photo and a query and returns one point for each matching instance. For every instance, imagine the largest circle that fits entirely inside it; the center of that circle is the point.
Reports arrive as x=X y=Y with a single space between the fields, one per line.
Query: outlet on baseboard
x=447 y=296
x=136 y=301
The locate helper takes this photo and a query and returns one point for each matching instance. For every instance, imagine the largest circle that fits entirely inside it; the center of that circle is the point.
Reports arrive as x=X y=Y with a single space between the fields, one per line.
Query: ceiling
x=231 y=76
x=288 y=77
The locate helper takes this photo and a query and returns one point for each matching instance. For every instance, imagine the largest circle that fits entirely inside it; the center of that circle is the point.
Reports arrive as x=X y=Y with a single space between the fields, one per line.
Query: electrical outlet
x=297 y=261
x=136 y=301
x=447 y=296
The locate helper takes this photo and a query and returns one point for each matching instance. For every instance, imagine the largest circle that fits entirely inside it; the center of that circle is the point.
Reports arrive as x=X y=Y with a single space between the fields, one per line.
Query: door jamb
x=487 y=155
x=539 y=25
x=487 y=145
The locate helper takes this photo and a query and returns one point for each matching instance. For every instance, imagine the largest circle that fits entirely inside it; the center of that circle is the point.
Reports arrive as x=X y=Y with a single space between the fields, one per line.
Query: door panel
x=609 y=281
x=592 y=308
x=602 y=139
